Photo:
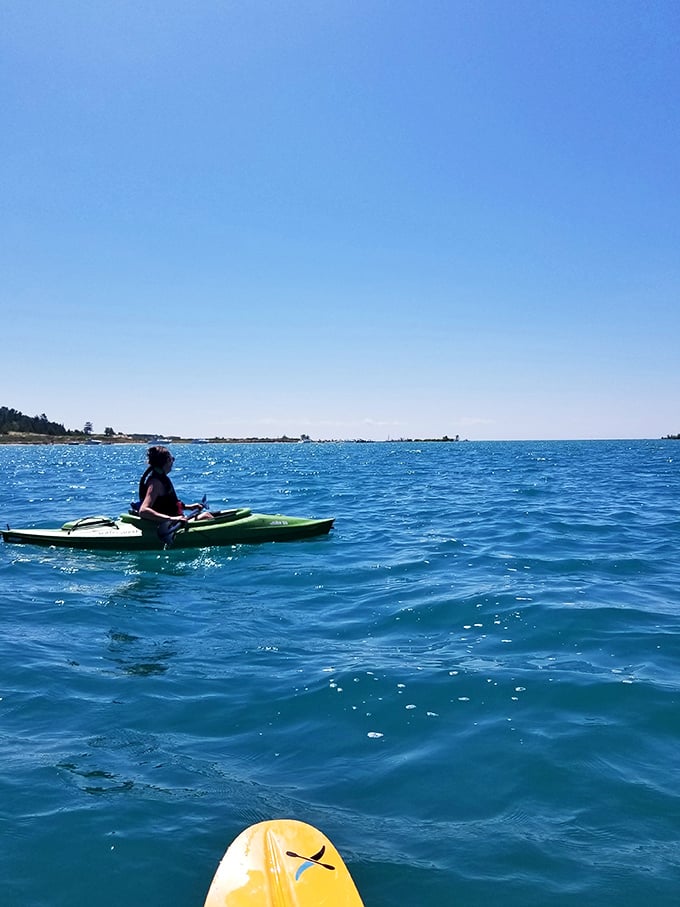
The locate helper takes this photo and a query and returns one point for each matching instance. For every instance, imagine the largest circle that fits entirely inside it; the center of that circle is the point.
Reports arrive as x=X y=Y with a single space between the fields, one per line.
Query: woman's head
x=159 y=457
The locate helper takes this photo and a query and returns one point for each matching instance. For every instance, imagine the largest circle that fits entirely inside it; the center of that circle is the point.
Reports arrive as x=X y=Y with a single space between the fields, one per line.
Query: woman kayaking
x=159 y=501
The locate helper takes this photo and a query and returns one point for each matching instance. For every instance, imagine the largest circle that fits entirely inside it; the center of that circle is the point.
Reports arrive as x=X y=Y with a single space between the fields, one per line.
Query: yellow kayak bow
x=282 y=863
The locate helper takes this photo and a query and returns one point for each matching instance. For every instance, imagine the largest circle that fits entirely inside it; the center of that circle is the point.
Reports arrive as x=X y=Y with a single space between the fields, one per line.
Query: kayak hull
x=131 y=533
x=282 y=863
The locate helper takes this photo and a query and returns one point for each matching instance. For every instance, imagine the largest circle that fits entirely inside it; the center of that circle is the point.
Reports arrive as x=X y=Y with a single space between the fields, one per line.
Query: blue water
x=472 y=685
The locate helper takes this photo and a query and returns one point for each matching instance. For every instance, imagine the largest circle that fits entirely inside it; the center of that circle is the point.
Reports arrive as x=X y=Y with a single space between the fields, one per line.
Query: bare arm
x=154 y=488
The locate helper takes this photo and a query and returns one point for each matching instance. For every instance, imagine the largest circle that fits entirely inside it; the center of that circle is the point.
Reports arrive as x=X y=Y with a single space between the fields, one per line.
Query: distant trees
x=13 y=420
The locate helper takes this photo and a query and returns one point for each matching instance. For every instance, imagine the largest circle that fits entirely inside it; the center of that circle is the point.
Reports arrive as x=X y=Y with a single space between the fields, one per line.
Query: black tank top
x=168 y=502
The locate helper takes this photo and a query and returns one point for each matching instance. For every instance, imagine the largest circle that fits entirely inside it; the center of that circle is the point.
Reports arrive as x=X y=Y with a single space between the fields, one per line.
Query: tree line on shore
x=13 y=420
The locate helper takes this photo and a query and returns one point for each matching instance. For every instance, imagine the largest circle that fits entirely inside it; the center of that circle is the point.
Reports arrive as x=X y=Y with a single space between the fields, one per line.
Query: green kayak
x=131 y=533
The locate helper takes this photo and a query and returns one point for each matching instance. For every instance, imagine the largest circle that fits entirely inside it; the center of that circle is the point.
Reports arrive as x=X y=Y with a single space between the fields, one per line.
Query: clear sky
x=345 y=218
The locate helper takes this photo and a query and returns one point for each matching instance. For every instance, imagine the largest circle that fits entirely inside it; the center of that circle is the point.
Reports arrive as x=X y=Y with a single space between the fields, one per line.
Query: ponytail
x=142 y=483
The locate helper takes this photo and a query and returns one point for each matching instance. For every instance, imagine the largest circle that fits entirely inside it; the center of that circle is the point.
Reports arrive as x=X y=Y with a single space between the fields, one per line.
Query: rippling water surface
x=472 y=685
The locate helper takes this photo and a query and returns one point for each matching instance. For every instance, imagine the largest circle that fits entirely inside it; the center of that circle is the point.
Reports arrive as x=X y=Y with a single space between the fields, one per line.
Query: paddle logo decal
x=314 y=860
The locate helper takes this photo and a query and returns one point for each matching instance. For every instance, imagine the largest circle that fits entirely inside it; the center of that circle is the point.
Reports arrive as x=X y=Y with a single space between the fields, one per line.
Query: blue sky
x=347 y=219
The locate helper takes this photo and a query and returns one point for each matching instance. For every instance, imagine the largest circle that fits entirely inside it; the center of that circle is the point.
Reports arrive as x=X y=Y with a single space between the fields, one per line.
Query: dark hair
x=158 y=456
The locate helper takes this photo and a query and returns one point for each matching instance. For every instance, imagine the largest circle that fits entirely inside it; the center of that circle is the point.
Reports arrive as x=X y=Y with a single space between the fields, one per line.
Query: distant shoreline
x=25 y=438
x=92 y=440
x=97 y=440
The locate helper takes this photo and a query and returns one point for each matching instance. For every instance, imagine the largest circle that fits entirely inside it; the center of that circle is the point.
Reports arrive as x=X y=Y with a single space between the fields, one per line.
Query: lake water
x=472 y=686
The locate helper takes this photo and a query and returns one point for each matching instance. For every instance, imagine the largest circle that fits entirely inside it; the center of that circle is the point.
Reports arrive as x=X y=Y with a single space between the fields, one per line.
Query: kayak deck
x=130 y=532
x=282 y=863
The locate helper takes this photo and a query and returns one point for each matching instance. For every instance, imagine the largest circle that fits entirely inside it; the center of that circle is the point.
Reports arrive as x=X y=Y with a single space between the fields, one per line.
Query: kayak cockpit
x=219 y=516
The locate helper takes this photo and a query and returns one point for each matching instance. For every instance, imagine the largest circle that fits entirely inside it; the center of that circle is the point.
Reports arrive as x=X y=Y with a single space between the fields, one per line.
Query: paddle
x=204 y=506
x=167 y=536
x=316 y=858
